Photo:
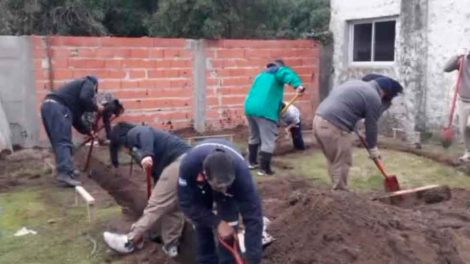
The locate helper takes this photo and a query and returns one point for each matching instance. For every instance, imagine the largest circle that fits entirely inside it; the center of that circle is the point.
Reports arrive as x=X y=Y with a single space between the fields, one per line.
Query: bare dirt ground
x=311 y=224
x=314 y=225
x=321 y=226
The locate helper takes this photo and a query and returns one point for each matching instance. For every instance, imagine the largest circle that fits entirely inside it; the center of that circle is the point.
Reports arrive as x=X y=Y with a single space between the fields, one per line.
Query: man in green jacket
x=262 y=109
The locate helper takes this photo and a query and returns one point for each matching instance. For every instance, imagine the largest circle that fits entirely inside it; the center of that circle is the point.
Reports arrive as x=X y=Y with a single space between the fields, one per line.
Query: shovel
x=448 y=133
x=232 y=246
x=88 y=157
x=390 y=182
x=148 y=171
x=88 y=139
x=284 y=109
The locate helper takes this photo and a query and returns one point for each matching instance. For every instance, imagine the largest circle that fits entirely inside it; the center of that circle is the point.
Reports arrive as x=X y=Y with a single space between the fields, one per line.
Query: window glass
x=362 y=48
x=384 y=44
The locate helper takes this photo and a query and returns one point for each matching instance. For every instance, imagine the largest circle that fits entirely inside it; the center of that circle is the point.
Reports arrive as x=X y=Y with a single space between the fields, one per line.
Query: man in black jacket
x=214 y=172
x=62 y=109
x=161 y=152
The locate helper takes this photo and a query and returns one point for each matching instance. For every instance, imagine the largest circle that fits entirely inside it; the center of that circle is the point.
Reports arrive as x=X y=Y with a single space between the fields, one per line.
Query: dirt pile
x=321 y=226
x=312 y=225
x=25 y=167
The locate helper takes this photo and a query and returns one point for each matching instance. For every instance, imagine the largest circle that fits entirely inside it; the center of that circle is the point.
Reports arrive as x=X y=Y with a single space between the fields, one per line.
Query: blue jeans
x=57 y=120
x=207 y=247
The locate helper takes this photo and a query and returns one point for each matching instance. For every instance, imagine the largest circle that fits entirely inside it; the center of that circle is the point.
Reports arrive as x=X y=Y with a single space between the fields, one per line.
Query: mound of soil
x=25 y=167
x=321 y=226
x=313 y=225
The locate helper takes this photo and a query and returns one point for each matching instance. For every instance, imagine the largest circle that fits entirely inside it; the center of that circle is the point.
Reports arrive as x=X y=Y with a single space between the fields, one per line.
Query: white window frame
x=372 y=21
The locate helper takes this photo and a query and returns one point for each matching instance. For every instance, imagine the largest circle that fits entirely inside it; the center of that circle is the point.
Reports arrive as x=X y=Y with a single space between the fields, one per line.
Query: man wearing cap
x=291 y=119
x=453 y=64
x=215 y=173
x=111 y=107
x=161 y=152
x=336 y=118
x=262 y=109
x=62 y=109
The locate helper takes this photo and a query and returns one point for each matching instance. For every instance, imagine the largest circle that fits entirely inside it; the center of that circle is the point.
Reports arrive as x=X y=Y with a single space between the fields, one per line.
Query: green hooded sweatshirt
x=267 y=92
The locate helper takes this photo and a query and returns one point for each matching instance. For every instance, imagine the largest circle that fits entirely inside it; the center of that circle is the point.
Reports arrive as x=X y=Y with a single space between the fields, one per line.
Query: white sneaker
x=171 y=250
x=118 y=242
x=465 y=157
x=266 y=239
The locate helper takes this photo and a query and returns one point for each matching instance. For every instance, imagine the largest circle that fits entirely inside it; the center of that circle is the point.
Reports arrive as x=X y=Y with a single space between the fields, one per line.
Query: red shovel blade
x=391 y=183
x=447 y=136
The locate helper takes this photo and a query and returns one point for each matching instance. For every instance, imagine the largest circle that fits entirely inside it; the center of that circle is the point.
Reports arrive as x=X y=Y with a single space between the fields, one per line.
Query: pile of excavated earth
x=314 y=225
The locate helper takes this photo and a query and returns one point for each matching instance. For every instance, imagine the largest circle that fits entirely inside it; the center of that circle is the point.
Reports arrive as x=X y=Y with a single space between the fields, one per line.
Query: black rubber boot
x=265 y=163
x=253 y=155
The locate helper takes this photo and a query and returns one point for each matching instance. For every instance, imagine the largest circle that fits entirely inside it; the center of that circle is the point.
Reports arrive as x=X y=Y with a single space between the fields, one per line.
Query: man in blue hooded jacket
x=215 y=173
x=62 y=109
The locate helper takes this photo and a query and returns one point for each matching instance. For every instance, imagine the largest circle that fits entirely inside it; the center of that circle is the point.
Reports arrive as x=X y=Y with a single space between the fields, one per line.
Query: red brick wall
x=154 y=76
x=233 y=64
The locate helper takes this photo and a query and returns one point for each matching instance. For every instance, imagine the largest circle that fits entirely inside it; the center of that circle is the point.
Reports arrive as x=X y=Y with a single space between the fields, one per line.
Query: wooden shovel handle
x=377 y=162
x=284 y=109
x=233 y=249
x=380 y=165
x=149 y=181
x=88 y=157
x=457 y=90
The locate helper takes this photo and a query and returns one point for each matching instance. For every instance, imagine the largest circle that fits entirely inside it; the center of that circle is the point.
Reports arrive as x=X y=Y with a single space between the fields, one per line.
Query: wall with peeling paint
x=428 y=32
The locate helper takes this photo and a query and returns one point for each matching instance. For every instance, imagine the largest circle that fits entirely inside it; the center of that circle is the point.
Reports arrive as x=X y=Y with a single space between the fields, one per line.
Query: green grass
x=64 y=241
x=411 y=170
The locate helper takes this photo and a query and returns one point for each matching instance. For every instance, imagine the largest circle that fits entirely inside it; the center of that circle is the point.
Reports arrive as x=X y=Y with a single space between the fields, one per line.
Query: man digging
x=262 y=109
x=291 y=119
x=215 y=184
x=453 y=64
x=336 y=118
x=161 y=152
x=62 y=109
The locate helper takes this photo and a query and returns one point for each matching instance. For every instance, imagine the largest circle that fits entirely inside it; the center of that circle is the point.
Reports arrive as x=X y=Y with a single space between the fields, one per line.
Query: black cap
x=372 y=76
x=277 y=62
x=391 y=87
x=219 y=169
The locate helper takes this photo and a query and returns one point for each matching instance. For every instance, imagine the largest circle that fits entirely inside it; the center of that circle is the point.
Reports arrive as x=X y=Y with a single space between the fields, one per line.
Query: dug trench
x=315 y=225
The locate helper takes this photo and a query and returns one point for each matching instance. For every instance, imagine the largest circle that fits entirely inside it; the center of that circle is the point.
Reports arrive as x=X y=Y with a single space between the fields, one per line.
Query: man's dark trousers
x=206 y=237
x=57 y=120
x=297 y=139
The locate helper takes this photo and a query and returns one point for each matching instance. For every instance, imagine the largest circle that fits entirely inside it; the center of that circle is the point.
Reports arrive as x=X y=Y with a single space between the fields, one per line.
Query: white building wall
x=420 y=53
x=448 y=34
x=343 y=11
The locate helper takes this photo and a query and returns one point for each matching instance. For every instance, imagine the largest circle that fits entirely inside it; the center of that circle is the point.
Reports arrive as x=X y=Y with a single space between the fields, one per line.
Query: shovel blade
x=391 y=183
x=447 y=136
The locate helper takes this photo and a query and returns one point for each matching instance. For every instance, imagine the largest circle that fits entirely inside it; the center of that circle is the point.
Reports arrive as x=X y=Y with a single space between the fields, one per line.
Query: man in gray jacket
x=453 y=64
x=336 y=118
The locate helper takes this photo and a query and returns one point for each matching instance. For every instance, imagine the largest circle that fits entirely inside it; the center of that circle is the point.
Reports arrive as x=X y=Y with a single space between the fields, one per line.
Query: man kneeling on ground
x=215 y=173
x=162 y=152
x=336 y=118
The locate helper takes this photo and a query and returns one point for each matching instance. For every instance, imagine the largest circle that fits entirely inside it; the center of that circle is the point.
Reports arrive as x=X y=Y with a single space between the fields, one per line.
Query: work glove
x=146 y=162
x=300 y=89
x=374 y=153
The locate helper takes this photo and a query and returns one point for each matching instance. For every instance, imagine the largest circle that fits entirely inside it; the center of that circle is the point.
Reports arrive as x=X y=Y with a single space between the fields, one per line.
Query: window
x=373 y=41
